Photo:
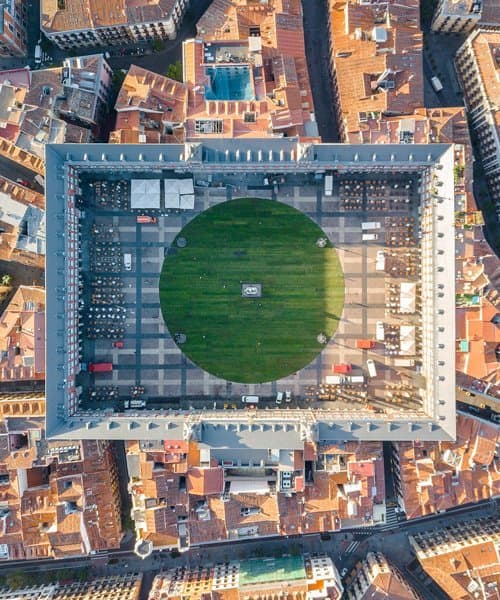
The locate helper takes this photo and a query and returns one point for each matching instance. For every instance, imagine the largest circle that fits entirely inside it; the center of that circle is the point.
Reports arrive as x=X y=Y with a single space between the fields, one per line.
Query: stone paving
x=152 y=359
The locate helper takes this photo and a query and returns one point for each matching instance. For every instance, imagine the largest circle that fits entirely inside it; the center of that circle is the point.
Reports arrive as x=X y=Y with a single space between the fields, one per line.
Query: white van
x=368 y=237
x=436 y=84
x=334 y=379
x=380 y=262
x=356 y=379
x=369 y=225
x=127 y=261
x=250 y=399
x=372 y=370
x=379 y=331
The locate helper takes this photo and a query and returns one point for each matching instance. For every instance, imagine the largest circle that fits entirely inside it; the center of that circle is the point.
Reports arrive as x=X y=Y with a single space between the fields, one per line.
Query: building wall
x=482 y=113
x=121 y=34
x=13 y=37
x=446 y=22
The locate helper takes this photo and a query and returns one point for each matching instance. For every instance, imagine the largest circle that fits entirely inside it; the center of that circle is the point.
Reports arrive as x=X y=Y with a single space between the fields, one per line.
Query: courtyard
x=150 y=357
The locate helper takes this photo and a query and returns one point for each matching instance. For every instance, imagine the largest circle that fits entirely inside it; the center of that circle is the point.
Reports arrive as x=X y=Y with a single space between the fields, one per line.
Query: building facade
x=463 y=558
x=478 y=67
x=374 y=577
x=76 y=24
x=13 y=17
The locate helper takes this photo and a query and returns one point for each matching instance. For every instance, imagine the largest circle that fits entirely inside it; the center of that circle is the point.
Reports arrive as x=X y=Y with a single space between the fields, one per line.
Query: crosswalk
x=351 y=548
x=391 y=516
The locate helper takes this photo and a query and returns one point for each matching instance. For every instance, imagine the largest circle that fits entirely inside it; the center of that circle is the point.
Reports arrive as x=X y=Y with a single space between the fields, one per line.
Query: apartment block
x=57 y=499
x=435 y=476
x=185 y=493
x=375 y=60
x=13 y=17
x=54 y=105
x=478 y=67
x=150 y=108
x=112 y=587
x=462 y=16
x=463 y=558
x=375 y=577
x=22 y=336
x=246 y=72
x=85 y=23
x=297 y=577
x=22 y=220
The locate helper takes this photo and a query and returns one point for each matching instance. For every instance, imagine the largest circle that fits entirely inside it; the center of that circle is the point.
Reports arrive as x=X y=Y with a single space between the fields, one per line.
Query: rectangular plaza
x=380 y=215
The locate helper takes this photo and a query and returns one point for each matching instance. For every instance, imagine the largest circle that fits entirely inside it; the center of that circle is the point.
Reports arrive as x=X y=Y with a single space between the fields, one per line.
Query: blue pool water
x=228 y=83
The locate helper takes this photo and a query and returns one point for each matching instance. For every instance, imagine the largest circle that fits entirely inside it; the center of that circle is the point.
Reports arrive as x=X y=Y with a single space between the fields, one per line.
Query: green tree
x=158 y=45
x=174 y=71
x=17 y=579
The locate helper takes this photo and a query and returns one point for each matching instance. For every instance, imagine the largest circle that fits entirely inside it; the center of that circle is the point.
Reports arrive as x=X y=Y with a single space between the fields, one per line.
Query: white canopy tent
x=172 y=200
x=407 y=342
x=179 y=193
x=145 y=193
x=187 y=201
x=407 y=297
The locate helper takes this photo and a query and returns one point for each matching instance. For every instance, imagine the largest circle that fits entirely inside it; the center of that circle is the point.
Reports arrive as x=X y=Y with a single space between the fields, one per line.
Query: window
x=206 y=126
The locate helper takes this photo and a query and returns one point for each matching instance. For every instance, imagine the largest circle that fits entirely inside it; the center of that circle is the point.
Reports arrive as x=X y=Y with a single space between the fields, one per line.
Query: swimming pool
x=228 y=83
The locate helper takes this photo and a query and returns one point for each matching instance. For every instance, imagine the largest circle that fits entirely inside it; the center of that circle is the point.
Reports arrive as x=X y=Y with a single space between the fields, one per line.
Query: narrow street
x=317 y=52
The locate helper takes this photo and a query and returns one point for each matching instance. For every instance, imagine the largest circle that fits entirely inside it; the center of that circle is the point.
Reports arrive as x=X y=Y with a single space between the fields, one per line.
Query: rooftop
x=247 y=71
x=242 y=579
x=376 y=579
x=462 y=558
x=22 y=336
x=42 y=487
x=377 y=58
x=437 y=476
x=23 y=222
x=93 y=14
x=150 y=107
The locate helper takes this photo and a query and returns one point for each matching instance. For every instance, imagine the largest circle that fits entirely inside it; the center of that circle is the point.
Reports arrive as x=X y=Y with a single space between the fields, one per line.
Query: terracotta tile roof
x=440 y=475
x=205 y=481
x=22 y=336
x=146 y=102
x=454 y=565
x=91 y=14
x=375 y=46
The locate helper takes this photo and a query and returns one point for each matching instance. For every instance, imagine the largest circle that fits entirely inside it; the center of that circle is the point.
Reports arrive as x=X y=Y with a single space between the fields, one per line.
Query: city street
x=439 y=54
x=317 y=51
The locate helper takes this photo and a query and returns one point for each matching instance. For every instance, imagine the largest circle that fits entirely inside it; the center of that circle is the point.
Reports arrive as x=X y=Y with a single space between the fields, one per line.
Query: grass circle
x=252 y=339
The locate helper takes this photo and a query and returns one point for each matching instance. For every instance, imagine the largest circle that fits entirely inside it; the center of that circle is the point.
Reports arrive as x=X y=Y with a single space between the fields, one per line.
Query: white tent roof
x=145 y=193
x=407 y=297
x=171 y=200
x=187 y=201
x=407 y=339
x=185 y=186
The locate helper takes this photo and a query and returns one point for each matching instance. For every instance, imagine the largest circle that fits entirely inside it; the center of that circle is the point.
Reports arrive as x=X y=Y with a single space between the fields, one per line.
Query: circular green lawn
x=249 y=339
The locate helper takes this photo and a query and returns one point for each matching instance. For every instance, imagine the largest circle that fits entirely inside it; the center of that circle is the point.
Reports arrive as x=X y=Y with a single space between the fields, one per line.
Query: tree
x=17 y=579
x=174 y=71
x=158 y=45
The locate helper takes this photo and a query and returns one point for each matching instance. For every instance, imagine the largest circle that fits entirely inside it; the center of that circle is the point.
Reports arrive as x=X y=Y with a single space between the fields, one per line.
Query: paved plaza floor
x=152 y=359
